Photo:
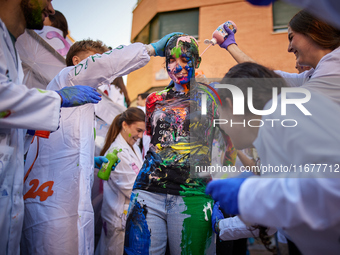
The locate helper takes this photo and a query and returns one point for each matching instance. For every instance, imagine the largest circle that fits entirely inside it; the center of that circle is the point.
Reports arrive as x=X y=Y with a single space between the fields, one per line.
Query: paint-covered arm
x=101 y=69
x=150 y=104
x=25 y=108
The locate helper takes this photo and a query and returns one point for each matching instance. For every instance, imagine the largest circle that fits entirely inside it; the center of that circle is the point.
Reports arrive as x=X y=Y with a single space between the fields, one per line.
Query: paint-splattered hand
x=98 y=161
x=78 y=95
x=160 y=45
x=230 y=38
x=226 y=192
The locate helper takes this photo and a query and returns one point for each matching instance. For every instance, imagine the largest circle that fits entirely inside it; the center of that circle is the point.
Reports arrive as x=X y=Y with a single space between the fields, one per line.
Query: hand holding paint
x=105 y=170
x=223 y=35
x=222 y=32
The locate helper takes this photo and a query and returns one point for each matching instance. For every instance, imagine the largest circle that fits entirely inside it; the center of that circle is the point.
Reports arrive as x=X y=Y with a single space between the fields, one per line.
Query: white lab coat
x=233 y=228
x=307 y=209
x=64 y=222
x=116 y=198
x=114 y=94
x=54 y=37
x=323 y=79
x=25 y=109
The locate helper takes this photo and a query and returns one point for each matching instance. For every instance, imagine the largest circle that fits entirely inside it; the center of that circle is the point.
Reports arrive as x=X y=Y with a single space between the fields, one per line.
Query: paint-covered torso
x=176 y=143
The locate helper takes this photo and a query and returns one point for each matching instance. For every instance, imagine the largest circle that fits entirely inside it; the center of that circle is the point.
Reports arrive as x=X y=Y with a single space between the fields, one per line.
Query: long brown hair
x=131 y=115
x=321 y=33
x=58 y=20
x=119 y=83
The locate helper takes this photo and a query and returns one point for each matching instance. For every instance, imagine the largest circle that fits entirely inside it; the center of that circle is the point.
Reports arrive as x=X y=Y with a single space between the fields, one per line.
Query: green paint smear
x=177 y=51
x=5 y=114
x=42 y=91
x=193 y=241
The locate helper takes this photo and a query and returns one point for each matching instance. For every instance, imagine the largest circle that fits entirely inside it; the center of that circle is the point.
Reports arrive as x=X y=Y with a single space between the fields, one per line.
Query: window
x=185 y=21
x=282 y=14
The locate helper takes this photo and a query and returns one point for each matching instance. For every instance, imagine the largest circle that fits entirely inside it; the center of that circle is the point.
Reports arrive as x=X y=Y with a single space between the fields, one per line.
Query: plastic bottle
x=105 y=170
x=220 y=34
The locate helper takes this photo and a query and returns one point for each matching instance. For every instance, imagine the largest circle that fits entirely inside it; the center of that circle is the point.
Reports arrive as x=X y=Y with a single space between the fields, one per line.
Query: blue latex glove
x=260 y=2
x=160 y=45
x=216 y=216
x=230 y=38
x=226 y=192
x=98 y=161
x=78 y=95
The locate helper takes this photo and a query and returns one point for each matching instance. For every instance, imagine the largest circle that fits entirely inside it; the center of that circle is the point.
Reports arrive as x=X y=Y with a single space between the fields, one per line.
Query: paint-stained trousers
x=183 y=221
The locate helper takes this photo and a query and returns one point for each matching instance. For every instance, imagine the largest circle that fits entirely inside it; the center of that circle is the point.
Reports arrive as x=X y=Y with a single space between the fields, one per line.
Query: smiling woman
x=311 y=39
x=123 y=134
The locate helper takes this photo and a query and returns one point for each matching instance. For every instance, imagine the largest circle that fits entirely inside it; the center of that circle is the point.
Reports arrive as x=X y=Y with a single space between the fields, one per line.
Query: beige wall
x=255 y=37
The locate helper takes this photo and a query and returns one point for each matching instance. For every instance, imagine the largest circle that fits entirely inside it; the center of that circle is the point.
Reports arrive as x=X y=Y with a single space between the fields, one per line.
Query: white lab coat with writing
x=63 y=222
x=20 y=109
x=116 y=197
x=303 y=201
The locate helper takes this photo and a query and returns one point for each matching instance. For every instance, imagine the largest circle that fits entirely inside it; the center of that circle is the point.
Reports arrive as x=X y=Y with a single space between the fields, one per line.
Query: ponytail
x=131 y=115
x=112 y=133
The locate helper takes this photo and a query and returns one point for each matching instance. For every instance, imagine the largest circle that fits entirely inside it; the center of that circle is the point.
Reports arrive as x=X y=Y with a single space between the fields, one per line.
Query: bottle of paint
x=105 y=170
x=220 y=34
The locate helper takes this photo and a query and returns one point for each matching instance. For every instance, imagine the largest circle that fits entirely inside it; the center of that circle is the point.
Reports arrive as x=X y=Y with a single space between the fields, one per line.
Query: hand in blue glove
x=230 y=38
x=216 y=216
x=98 y=161
x=226 y=192
x=160 y=45
x=78 y=95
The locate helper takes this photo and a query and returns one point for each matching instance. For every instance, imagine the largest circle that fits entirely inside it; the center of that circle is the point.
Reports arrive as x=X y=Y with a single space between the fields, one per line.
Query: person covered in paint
x=61 y=216
x=168 y=204
x=21 y=109
x=123 y=134
x=300 y=203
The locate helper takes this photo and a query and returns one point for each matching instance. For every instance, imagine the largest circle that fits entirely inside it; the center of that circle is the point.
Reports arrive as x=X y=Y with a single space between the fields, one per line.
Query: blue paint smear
x=137 y=235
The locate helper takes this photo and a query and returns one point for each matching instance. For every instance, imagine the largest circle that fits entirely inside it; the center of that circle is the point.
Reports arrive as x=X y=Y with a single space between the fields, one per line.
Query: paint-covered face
x=181 y=69
x=132 y=132
x=181 y=62
x=35 y=12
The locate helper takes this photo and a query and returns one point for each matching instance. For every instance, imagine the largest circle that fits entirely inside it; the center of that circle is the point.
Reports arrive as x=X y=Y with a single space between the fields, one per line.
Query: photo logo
x=239 y=99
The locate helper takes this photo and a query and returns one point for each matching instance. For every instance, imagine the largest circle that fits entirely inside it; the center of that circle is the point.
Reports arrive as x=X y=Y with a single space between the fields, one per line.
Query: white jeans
x=155 y=219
